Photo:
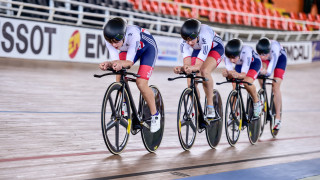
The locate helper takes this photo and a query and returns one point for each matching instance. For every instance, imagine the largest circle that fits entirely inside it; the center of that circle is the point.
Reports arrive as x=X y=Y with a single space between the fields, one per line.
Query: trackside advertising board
x=46 y=41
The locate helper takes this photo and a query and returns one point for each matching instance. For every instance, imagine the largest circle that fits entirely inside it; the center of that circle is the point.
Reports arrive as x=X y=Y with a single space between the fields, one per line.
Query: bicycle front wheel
x=116 y=123
x=187 y=119
x=253 y=126
x=233 y=118
x=263 y=98
x=150 y=140
x=214 y=130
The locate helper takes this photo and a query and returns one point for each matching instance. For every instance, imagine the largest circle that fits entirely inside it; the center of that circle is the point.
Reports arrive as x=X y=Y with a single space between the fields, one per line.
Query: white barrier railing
x=60 y=15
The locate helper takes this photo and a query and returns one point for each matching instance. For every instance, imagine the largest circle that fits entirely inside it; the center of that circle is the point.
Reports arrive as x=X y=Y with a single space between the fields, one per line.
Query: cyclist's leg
x=265 y=64
x=147 y=60
x=147 y=93
x=194 y=62
x=252 y=74
x=208 y=66
x=278 y=75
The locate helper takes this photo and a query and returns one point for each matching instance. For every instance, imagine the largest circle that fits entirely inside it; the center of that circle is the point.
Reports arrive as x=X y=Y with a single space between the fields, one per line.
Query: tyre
x=233 y=118
x=187 y=119
x=214 y=129
x=116 y=123
x=150 y=140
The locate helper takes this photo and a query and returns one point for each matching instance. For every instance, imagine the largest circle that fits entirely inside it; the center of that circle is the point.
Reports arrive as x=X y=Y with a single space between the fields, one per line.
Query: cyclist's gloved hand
x=263 y=72
x=225 y=73
x=234 y=74
x=103 y=66
x=177 y=69
x=187 y=69
x=117 y=66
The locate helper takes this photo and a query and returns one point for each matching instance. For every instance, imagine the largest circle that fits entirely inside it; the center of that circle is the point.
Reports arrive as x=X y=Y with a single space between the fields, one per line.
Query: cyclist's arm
x=194 y=67
x=185 y=50
x=247 y=58
x=206 y=43
x=275 y=53
x=113 y=52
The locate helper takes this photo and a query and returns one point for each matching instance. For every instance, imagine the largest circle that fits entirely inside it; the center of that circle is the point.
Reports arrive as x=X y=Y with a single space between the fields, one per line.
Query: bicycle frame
x=239 y=96
x=264 y=83
x=193 y=82
x=136 y=119
x=195 y=93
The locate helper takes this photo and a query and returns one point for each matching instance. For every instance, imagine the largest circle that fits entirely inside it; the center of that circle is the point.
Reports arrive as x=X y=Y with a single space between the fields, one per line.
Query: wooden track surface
x=50 y=126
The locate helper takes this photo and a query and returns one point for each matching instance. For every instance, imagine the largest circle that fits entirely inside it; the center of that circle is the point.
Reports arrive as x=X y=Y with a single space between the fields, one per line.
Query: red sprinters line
x=129 y=150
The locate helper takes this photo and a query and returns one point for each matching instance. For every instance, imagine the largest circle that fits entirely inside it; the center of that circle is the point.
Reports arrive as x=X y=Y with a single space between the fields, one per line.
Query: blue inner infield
x=286 y=171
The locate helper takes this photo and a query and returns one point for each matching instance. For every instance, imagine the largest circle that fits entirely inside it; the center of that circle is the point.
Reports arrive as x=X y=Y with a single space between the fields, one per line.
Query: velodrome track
x=50 y=127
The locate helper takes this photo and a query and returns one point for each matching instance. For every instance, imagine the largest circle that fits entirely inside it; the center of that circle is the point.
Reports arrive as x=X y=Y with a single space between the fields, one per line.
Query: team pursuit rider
x=274 y=59
x=134 y=43
x=202 y=50
x=248 y=65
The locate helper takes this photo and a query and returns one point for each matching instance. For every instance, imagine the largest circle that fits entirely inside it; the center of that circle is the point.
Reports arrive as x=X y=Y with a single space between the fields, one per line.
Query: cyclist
x=248 y=65
x=205 y=56
x=274 y=59
x=134 y=43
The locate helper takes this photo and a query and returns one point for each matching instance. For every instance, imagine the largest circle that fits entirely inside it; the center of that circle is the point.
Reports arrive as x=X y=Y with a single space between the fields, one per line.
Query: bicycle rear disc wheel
x=214 y=130
x=115 y=126
x=274 y=132
x=150 y=140
x=253 y=126
x=263 y=98
x=233 y=118
x=187 y=119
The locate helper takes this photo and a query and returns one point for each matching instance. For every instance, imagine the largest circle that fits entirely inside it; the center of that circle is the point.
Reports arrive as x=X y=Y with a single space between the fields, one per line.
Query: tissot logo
x=26 y=39
x=74 y=44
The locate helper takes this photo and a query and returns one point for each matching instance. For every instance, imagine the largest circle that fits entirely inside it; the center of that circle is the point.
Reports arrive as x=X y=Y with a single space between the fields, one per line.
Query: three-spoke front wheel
x=116 y=118
x=187 y=119
x=233 y=118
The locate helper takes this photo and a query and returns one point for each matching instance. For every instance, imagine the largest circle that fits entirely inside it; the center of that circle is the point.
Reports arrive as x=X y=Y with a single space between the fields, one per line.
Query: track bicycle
x=237 y=117
x=191 y=118
x=117 y=121
x=269 y=111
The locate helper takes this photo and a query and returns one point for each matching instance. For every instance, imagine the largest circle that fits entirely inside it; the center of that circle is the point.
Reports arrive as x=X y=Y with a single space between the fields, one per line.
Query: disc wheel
x=254 y=126
x=151 y=140
x=274 y=132
x=214 y=129
x=263 y=98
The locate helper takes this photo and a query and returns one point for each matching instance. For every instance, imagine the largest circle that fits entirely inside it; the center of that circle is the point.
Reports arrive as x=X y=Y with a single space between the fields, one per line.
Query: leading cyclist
x=134 y=43
x=206 y=55
x=248 y=65
x=274 y=59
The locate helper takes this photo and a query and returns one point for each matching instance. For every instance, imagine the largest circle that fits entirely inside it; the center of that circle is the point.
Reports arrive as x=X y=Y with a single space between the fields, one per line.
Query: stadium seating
x=255 y=8
x=239 y=12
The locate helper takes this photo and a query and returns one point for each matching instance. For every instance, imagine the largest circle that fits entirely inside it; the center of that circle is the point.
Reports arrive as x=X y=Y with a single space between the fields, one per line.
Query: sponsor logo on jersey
x=74 y=44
